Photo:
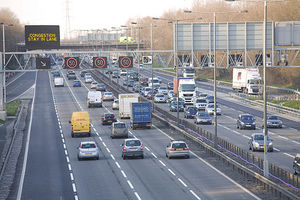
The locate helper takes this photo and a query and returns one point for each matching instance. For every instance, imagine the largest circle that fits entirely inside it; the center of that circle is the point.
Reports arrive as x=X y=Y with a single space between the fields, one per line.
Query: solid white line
x=195 y=195
x=123 y=174
x=183 y=183
x=68 y=160
x=107 y=150
x=162 y=163
x=71 y=176
x=74 y=187
x=282 y=137
x=137 y=196
x=296 y=142
x=118 y=165
x=15 y=79
x=112 y=157
x=276 y=149
x=20 y=189
x=69 y=166
x=287 y=154
x=154 y=155
x=33 y=86
x=218 y=171
x=171 y=172
x=130 y=185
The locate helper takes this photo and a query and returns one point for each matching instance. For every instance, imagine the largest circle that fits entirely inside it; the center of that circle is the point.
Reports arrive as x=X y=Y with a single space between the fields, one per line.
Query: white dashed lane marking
x=183 y=183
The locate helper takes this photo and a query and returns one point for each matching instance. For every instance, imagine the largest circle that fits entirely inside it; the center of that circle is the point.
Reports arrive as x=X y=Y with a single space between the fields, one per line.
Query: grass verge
x=12 y=108
x=291 y=104
x=1 y=121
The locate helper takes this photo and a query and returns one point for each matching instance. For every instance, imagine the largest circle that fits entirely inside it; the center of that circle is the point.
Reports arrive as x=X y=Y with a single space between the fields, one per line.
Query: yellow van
x=80 y=124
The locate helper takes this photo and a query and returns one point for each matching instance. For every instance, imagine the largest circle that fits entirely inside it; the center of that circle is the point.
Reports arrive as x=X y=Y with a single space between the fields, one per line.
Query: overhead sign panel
x=42 y=63
x=100 y=62
x=126 y=61
x=71 y=62
x=42 y=37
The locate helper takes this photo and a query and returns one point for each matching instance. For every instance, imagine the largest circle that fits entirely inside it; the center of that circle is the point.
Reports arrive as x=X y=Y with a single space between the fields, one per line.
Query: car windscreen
x=247 y=118
x=200 y=101
x=259 y=137
x=178 y=145
x=192 y=109
x=203 y=114
x=160 y=95
x=88 y=145
x=109 y=115
x=131 y=143
x=107 y=93
x=273 y=118
x=163 y=88
x=120 y=125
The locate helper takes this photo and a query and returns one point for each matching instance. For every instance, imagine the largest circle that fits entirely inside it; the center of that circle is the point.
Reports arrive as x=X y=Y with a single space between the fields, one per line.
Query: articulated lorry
x=186 y=89
x=247 y=80
x=124 y=104
x=140 y=116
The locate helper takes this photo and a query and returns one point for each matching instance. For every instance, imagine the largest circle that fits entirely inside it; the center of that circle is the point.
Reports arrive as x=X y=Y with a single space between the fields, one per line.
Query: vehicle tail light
x=172 y=149
x=104 y=118
x=80 y=146
x=142 y=147
x=114 y=117
x=186 y=148
x=124 y=148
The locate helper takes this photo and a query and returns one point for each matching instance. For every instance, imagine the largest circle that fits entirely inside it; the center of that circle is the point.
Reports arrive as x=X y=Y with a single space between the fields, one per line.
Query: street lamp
x=4 y=63
x=266 y=163
x=215 y=68
x=175 y=52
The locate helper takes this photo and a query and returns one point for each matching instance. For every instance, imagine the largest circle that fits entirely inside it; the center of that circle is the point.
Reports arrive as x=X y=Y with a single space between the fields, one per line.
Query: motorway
x=53 y=171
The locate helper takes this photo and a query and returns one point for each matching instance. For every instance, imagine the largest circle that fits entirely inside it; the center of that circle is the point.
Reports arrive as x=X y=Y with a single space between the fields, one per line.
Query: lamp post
x=139 y=28
x=175 y=53
x=4 y=63
x=266 y=163
x=215 y=69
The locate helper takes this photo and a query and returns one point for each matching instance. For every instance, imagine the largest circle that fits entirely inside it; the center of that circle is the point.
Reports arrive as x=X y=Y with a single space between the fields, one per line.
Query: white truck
x=247 y=80
x=186 y=89
x=189 y=72
x=124 y=104
x=58 y=82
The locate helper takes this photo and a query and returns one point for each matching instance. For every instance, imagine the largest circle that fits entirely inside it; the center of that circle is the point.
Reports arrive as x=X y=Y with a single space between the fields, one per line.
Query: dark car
x=108 y=118
x=144 y=81
x=173 y=106
x=115 y=74
x=273 y=122
x=134 y=76
x=203 y=118
x=246 y=121
x=190 y=112
x=131 y=83
x=71 y=75
x=150 y=95
x=109 y=71
x=56 y=74
x=170 y=86
x=210 y=99
x=83 y=72
x=100 y=87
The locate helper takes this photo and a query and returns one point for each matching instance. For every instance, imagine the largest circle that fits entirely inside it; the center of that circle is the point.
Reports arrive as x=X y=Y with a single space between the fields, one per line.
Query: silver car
x=119 y=129
x=160 y=98
x=203 y=118
x=256 y=142
x=210 y=109
x=177 y=149
x=132 y=148
x=108 y=96
x=274 y=122
x=93 y=85
x=87 y=150
x=163 y=90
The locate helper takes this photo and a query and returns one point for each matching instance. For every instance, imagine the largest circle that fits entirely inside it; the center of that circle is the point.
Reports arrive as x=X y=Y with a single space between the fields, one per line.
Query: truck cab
x=186 y=89
x=189 y=72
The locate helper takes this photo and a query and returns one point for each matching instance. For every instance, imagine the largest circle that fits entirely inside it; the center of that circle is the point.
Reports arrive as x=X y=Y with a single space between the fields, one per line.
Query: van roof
x=81 y=114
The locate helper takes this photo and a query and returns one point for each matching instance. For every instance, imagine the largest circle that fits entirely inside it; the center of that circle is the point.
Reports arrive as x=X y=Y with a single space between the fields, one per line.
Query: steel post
x=215 y=87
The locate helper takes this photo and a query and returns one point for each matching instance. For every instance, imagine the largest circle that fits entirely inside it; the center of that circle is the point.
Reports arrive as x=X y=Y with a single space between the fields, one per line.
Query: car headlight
x=253 y=123
x=242 y=123
x=280 y=122
x=255 y=144
x=270 y=144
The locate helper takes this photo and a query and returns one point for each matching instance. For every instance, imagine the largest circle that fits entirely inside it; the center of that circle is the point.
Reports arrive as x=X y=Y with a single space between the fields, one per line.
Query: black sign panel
x=100 y=62
x=42 y=37
x=42 y=63
x=71 y=62
x=126 y=61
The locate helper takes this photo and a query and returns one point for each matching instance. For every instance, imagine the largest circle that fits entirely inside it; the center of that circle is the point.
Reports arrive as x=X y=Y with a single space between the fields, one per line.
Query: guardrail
x=281 y=183
x=271 y=106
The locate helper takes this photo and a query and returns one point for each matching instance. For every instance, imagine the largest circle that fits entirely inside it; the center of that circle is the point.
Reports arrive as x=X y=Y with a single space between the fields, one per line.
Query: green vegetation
x=157 y=66
x=202 y=76
x=286 y=86
x=1 y=121
x=12 y=108
x=255 y=99
x=170 y=70
x=291 y=104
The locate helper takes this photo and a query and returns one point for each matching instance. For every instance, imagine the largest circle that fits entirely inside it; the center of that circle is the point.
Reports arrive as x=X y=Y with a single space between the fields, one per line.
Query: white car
x=200 y=103
x=93 y=85
x=210 y=109
x=108 y=96
x=163 y=90
x=87 y=150
x=123 y=72
x=147 y=90
x=88 y=79
x=160 y=98
x=115 y=105
x=171 y=94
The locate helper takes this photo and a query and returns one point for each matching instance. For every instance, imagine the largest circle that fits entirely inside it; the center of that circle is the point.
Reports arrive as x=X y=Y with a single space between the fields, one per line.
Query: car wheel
x=295 y=173
x=79 y=158
x=249 y=147
x=252 y=149
x=97 y=158
x=167 y=155
x=72 y=135
x=187 y=156
x=254 y=128
x=89 y=134
x=142 y=156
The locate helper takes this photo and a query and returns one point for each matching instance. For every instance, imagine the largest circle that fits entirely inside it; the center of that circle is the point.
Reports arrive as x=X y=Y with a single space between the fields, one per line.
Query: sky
x=88 y=14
